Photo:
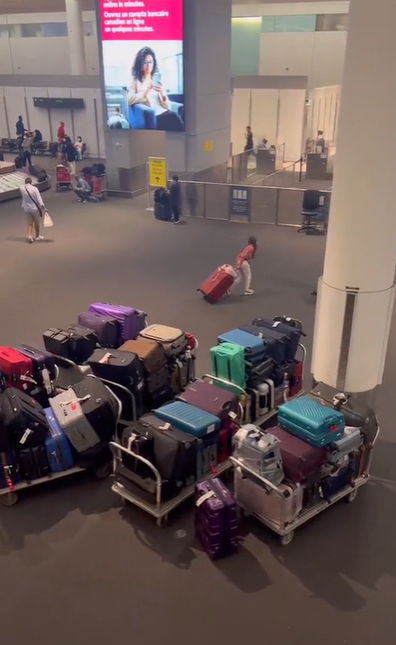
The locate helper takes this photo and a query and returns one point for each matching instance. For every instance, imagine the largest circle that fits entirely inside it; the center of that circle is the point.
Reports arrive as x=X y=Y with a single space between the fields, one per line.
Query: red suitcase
x=16 y=370
x=216 y=286
x=296 y=382
x=300 y=460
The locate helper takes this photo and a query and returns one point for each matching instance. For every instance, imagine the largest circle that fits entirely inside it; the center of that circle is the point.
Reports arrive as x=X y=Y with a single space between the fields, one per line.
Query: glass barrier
x=126 y=181
x=193 y=199
x=290 y=206
x=263 y=205
x=217 y=201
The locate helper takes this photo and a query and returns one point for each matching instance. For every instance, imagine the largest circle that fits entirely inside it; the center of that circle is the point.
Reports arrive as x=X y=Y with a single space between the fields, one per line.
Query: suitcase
x=292 y=335
x=99 y=405
x=140 y=440
x=330 y=486
x=351 y=441
x=227 y=362
x=296 y=381
x=279 y=372
x=207 y=454
x=107 y=329
x=260 y=373
x=157 y=398
x=57 y=445
x=188 y=418
x=68 y=412
x=181 y=373
x=314 y=423
x=217 y=285
x=163 y=212
x=9 y=470
x=142 y=319
x=253 y=346
x=76 y=343
x=43 y=366
x=255 y=499
x=212 y=399
x=24 y=419
x=260 y=452
x=224 y=447
x=301 y=461
x=128 y=318
x=273 y=341
x=153 y=358
x=173 y=340
x=216 y=521
x=16 y=370
x=33 y=464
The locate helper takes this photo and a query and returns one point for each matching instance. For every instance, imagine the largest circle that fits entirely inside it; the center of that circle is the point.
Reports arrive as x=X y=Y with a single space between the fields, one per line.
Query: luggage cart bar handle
x=117 y=449
x=304 y=352
x=124 y=389
x=266 y=482
x=216 y=379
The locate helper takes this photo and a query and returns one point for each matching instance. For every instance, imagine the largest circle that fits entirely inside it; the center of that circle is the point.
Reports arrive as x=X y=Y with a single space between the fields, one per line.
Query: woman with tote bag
x=34 y=207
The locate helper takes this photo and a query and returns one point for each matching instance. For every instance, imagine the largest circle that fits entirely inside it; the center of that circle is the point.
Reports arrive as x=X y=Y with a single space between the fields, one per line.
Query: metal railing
x=288 y=177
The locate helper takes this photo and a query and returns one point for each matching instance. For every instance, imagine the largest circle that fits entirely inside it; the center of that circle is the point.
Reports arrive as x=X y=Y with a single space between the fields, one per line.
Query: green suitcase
x=227 y=362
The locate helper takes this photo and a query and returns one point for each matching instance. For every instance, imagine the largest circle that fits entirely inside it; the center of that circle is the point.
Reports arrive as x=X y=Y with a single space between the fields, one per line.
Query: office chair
x=314 y=213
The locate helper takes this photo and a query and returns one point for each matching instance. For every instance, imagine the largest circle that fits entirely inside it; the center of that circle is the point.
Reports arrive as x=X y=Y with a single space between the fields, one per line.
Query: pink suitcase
x=255 y=499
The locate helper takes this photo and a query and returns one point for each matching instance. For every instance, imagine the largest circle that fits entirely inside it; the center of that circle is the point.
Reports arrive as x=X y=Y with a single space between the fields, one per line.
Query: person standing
x=33 y=206
x=249 y=146
x=175 y=199
x=71 y=155
x=61 y=131
x=243 y=266
x=27 y=149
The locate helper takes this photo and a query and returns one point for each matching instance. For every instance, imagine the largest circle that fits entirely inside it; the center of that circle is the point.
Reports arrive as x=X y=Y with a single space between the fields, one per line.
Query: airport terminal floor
x=78 y=567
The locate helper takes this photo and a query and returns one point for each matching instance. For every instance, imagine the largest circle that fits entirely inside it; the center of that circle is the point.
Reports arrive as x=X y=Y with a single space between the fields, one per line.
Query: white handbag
x=47 y=221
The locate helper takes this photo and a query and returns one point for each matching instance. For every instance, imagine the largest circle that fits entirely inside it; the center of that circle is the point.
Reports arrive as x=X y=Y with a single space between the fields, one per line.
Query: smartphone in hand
x=157 y=79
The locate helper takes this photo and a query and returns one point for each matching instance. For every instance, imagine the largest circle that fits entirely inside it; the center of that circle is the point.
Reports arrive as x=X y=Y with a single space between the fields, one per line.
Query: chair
x=314 y=213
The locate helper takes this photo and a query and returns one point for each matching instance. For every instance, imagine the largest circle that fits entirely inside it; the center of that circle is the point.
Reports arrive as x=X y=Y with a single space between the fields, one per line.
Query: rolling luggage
x=314 y=423
x=253 y=346
x=173 y=340
x=255 y=499
x=99 y=405
x=188 y=418
x=138 y=439
x=227 y=362
x=292 y=335
x=16 y=370
x=43 y=366
x=9 y=470
x=273 y=341
x=181 y=373
x=216 y=521
x=142 y=319
x=207 y=454
x=217 y=285
x=24 y=419
x=351 y=441
x=76 y=343
x=68 y=412
x=163 y=212
x=296 y=381
x=212 y=399
x=259 y=373
x=128 y=318
x=57 y=445
x=107 y=329
x=94 y=457
x=150 y=352
x=260 y=452
x=330 y=486
x=33 y=464
x=300 y=460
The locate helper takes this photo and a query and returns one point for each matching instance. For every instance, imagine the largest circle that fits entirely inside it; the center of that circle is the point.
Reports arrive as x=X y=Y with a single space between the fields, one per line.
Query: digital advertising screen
x=142 y=47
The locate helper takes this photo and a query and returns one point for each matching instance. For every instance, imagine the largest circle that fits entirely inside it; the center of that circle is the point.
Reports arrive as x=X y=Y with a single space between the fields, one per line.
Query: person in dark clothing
x=37 y=136
x=20 y=127
x=71 y=155
x=175 y=199
x=249 y=147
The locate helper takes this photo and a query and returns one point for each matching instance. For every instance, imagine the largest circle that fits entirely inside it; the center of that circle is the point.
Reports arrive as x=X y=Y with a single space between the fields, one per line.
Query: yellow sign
x=208 y=146
x=157 y=172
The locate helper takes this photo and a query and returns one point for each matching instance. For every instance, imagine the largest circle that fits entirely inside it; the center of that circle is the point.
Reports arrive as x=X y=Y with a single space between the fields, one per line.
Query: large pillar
x=75 y=28
x=355 y=295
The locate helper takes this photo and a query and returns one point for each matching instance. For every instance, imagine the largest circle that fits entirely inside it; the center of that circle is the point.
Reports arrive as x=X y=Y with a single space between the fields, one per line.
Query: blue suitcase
x=188 y=418
x=312 y=422
x=253 y=346
x=57 y=445
x=273 y=341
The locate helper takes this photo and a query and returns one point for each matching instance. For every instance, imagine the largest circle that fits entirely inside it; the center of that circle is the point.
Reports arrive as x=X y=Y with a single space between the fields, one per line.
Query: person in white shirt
x=117 y=120
x=33 y=206
x=146 y=88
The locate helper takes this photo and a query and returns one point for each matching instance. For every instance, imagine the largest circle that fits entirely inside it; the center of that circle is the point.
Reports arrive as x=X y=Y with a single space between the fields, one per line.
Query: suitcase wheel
x=286 y=539
x=351 y=496
x=9 y=499
x=102 y=472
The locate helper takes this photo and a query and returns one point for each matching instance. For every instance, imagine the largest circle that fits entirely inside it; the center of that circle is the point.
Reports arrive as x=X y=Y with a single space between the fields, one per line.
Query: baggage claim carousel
x=11 y=180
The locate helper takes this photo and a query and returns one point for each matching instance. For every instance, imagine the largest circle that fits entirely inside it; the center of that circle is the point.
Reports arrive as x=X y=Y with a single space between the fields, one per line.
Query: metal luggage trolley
x=286 y=530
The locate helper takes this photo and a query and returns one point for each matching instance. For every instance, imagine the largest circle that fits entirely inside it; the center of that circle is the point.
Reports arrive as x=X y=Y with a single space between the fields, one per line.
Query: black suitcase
x=43 y=366
x=260 y=373
x=99 y=405
x=163 y=212
x=292 y=334
x=275 y=342
x=24 y=419
x=139 y=440
x=73 y=342
x=156 y=399
x=279 y=372
x=38 y=172
x=33 y=464
x=158 y=379
x=94 y=457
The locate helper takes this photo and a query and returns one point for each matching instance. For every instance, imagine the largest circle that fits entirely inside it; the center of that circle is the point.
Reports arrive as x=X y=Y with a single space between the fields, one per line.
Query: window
x=54 y=29
x=289 y=24
x=89 y=28
x=4 y=31
x=332 y=22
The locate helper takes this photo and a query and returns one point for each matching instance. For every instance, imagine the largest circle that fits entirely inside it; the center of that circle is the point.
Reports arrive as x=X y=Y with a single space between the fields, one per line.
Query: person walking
x=242 y=266
x=34 y=207
x=175 y=199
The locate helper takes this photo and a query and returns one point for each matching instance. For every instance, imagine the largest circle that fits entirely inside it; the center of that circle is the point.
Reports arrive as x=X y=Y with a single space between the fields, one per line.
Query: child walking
x=243 y=266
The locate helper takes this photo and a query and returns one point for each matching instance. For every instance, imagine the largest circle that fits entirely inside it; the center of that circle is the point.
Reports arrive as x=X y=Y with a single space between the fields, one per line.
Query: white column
x=75 y=28
x=355 y=295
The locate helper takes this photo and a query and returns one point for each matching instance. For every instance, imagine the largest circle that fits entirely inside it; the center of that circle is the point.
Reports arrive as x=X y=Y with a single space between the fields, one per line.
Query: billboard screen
x=142 y=46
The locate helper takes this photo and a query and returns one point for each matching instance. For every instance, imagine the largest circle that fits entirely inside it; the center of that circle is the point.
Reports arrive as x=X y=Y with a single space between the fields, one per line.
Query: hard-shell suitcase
x=256 y=499
x=314 y=423
x=126 y=316
x=23 y=419
x=300 y=460
x=188 y=418
x=99 y=406
x=218 y=283
x=163 y=212
x=281 y=371
x=253 y=346
x=292 y=335
x=210 y=398
x=260 y=452
x=150 y=352
x=9 y=470
x=107 y=328
x=57 y=445
x=227 y=362
x=33 y=464
x=173 y=340
x=76 y=343
x=351 y=441
x=273 y=342
x=43 y=366
x=296 y=381
x=259 y=373
x=68 y=412
x=332 y=485
x=216 y=521
x=207 y=454
x=139 y=439
x=15 y=370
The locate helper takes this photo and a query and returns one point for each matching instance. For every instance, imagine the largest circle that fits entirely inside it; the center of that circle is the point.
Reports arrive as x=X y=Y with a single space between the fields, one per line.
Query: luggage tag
x=105 y=360
x=165 y=426
x=25 y=436
x=204 y=498
x=25 y=378
x=47 y=380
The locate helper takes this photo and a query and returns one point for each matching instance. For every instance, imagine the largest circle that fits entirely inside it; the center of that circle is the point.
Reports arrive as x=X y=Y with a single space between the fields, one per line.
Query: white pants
x=245 y=273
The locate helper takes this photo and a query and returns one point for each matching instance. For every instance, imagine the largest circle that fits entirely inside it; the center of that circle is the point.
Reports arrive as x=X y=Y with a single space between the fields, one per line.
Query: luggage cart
x=160 y=509
x=286 y=530
x=63 y=178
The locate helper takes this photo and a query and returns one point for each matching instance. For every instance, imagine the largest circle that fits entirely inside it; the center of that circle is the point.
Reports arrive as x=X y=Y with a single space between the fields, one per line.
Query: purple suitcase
x=108 y=329
x=209 y=398
x=216 y=521
x=126 y=316
x=301 y=461
x=43 y=366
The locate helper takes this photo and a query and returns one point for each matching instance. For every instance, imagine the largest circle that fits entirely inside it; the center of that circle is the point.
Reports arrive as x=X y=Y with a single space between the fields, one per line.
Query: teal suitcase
x=311 y=421
x=227 y=362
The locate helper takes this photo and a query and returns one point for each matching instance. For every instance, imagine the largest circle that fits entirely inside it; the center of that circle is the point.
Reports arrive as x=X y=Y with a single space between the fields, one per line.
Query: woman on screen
x=146 y=88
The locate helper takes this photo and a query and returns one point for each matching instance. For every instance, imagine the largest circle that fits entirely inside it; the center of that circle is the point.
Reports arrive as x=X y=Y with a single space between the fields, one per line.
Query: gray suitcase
x=173 y=340
x=68 y=412
x=351 y=441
